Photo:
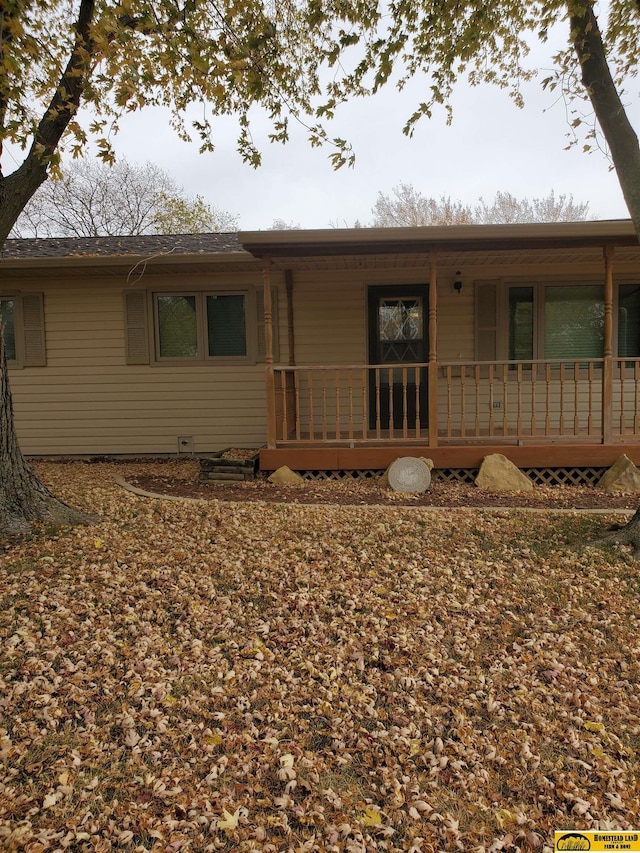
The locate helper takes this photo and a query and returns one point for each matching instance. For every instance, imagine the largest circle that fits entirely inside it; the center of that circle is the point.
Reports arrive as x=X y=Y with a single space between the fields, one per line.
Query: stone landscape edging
x=557 y=510
x=143 y=494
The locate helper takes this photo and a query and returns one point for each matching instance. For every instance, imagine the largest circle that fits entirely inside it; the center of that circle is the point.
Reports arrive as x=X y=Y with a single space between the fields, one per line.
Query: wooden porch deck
x=339 y=458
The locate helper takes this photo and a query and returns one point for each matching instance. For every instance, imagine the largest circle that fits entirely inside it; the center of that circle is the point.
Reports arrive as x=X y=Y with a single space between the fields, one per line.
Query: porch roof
x=449 y=238
x=327 y=249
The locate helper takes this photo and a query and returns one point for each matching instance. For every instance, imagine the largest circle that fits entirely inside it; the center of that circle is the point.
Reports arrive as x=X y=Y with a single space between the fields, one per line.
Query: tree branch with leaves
x=17 y=188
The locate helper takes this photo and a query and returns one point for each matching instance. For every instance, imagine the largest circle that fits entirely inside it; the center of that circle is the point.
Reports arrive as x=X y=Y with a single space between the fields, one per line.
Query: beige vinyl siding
x=331 y=329
x=331 y=315
x=330 y=318
x=455 y=319
x=87 y=400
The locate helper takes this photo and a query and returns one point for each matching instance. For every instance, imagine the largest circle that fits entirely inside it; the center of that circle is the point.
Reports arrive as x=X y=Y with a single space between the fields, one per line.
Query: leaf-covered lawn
x=258 y=677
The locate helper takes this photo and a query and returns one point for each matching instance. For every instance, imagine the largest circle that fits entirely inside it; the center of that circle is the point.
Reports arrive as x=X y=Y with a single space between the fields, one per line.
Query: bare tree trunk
x=607 y=105
x=628 y=534
x=623 y=145
x=24 y=500
x=16 y=190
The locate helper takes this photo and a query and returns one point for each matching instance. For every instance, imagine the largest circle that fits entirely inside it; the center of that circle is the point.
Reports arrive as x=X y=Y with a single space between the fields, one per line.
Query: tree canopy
x=280 y=224
x=94 y=199
x=407 y=207
x=117 y=57
x=489 y=43
x=112 y=58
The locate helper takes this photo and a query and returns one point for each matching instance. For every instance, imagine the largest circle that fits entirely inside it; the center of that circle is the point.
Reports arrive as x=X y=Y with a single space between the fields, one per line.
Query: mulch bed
x=363 y=492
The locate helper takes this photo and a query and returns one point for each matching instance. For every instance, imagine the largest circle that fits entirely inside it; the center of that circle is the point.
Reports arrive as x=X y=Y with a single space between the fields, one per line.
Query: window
x=201 y=326
x=177 y=326
x=400 y=329
x=226 y=326
x=520 y=323
x=197 y=327
x=573 y=322
x=552 y=320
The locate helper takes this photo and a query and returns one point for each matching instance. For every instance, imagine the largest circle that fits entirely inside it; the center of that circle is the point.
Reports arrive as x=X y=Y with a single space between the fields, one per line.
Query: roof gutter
x=362 y=241
x=117 y=262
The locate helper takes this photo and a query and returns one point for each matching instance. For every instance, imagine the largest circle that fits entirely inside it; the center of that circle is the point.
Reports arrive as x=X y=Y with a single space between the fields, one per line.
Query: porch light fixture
x=457 y=284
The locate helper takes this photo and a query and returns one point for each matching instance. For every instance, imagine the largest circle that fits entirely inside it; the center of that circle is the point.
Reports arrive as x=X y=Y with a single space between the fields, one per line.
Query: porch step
x=219 y=476
x=214 y=468
x=236 y=468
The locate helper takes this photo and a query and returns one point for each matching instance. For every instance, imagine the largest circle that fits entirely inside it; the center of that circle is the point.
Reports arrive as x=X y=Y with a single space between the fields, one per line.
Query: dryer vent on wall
x=185 y=444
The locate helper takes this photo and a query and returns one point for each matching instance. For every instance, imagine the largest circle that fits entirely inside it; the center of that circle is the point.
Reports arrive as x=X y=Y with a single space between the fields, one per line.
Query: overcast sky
x=491 y=145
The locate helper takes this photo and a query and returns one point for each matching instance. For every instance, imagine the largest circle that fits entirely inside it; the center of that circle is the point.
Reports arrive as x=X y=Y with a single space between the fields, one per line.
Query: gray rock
x=499 y=474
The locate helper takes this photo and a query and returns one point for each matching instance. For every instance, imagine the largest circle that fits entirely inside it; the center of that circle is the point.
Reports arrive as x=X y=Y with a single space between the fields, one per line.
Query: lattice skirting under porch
x=540 y=476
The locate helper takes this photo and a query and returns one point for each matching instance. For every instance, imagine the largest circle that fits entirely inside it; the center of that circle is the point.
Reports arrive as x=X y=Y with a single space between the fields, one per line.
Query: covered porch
x=539 y=411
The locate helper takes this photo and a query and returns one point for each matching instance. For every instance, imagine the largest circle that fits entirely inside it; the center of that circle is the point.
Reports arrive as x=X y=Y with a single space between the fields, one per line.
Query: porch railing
x=590 y=400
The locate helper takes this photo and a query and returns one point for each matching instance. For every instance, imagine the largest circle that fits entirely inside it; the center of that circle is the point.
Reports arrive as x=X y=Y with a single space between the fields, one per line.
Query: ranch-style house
x=331 y=349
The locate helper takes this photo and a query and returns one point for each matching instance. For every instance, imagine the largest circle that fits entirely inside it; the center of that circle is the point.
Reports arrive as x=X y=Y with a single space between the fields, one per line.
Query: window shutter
x=486 y=319
x=34 y=345
x=262 y=346
x=136 y=327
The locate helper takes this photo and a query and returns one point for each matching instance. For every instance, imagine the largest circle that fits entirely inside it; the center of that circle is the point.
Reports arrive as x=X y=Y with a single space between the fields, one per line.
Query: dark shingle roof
x=143 y=245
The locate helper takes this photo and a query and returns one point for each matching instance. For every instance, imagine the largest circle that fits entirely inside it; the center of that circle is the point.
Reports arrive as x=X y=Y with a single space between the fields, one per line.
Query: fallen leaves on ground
x=180 y=479
x=272 y=677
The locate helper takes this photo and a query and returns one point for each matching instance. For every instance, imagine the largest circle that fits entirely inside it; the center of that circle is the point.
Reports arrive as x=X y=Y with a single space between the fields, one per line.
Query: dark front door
x=397 y=336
